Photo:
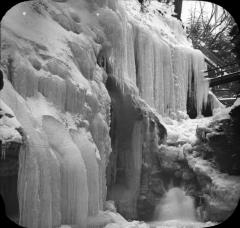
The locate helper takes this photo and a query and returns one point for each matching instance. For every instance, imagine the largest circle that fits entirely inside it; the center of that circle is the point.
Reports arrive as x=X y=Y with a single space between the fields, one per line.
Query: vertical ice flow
x=60 y=180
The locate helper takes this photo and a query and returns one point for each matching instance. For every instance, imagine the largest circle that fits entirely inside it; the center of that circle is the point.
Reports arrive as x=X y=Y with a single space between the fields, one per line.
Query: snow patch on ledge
x=184 y=131
x=8 y=125
x=158 y=18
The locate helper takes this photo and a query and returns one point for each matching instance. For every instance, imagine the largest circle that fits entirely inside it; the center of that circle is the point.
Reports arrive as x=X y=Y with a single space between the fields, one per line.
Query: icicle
x=201 y=86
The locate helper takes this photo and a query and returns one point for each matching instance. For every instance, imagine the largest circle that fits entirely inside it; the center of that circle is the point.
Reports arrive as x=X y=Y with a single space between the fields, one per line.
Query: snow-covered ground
x=180 y=224
x=184 y=131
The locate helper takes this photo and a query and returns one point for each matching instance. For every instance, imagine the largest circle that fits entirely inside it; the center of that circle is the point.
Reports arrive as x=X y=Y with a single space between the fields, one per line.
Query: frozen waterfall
x=165 y=72
x=58 y=57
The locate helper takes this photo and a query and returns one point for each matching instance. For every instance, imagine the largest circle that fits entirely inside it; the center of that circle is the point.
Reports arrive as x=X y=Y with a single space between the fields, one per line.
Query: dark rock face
x=135 y=134
x=217 y=195
x=220 y=142
x=142 y=167
x=166 y=168
x=1 y=79
x=9 y=177
x=151 y=188
x=10 y=145
x=218 y=150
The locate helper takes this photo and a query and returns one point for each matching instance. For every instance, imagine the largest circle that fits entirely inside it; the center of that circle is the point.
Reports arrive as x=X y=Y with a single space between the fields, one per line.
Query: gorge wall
x=86 y=83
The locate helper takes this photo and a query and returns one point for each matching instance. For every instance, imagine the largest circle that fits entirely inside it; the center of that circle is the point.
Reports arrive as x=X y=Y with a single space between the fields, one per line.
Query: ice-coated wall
x=63 y=106
x=151 y=52
x=57 y=58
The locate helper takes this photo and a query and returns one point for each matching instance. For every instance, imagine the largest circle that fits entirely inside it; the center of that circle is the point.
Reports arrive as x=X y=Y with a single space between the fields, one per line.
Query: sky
x=187 y=5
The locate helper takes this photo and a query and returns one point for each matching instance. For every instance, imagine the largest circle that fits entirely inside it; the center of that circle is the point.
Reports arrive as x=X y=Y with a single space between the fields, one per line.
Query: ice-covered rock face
x=55 y=89
x=58 y=56
x=11 y=139
x=168 y=70
x=214 y=159
x=9 y=125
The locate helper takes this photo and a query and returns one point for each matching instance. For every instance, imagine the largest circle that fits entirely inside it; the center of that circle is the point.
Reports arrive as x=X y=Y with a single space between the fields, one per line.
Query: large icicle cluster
x=153 y=54
x=150 y=51
x=57 y=57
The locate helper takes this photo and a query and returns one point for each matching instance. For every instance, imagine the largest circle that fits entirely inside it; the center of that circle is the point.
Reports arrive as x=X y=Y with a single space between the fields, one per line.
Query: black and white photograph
x=119 y=114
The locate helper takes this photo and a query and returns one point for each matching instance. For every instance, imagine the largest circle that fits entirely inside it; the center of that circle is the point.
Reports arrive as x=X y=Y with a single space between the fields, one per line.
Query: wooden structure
x=224 y=79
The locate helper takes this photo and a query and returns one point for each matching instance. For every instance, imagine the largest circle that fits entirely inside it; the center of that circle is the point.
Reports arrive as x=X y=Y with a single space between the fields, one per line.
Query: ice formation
x=57 y=57
x=176 y=205
x=8 y=125
x=155 y=56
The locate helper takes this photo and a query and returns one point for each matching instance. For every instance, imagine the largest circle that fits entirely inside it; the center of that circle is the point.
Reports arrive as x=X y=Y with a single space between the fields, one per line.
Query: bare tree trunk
x=178 y=8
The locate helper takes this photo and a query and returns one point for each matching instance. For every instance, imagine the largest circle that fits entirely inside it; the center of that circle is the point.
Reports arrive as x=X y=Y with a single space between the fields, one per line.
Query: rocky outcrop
x=219 y=193
x=202 y=166
x=219 y=142
x=11 y=140
x=135 y=134
x=214 y=160
x=167 y=168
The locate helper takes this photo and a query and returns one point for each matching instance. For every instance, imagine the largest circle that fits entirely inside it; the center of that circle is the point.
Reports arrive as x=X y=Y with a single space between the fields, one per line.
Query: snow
x=222 y=112
x=169 y=28
x=225 y=187
x=216 y=105
x=120 y=222
x=180 y=224
x=183 y=131
x=48 y=100
x=236 y=103
x=8 y=125
x=57 y=95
